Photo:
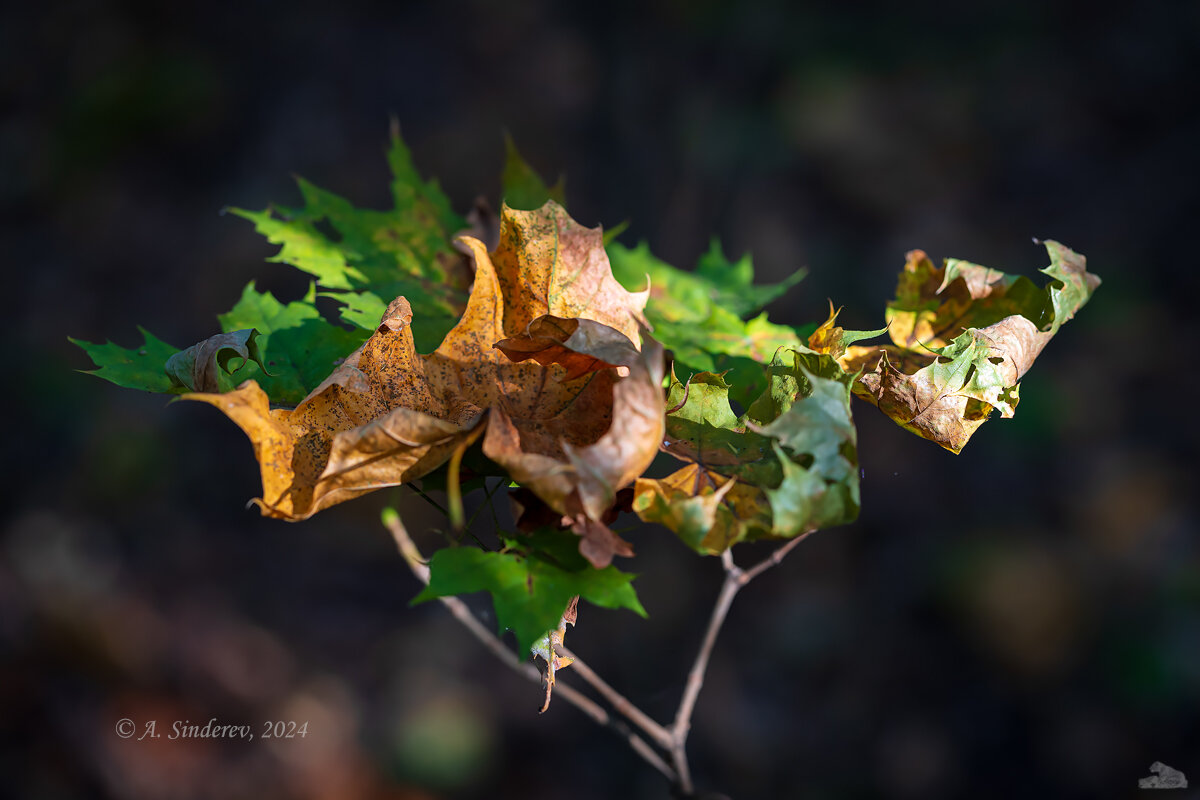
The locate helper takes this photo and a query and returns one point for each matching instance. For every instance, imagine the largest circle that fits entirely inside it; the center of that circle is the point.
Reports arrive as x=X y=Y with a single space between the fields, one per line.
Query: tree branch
x=459 y=609
x=638 y=717
x=735 y=579
x=672 y=739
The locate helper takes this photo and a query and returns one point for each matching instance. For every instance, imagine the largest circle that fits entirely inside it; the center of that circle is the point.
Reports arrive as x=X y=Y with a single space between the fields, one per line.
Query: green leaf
x=734 y=281
x=301 y=347
x=304 y=247
x=522 y=187
x=360 y=309
x=365 y=309
x=405 y=250
x=702 y=428
x=699 y=316
x=135 y=368
x=529 y=594
x=788 y=465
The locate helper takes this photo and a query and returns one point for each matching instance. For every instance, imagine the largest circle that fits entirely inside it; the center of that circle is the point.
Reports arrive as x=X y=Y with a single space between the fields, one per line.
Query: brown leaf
x=199 y=367
x=364 y=428
x=964 y=337
x=597 y=542
x=578 y=459
x=388 y=415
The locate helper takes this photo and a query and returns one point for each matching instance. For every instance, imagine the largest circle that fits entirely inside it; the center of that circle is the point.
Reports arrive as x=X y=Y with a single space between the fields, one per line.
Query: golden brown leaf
x=575 y=412
x=372 y=423
x=577 y=459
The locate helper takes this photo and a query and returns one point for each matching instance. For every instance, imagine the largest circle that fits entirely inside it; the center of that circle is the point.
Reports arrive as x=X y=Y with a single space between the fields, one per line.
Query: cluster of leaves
x=533 y=349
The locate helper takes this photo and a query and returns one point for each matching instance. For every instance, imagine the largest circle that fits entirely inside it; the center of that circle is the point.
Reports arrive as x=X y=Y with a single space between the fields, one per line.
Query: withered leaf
x=964 y=335
x=577 y=459
x=575 y=428
x=199 y=367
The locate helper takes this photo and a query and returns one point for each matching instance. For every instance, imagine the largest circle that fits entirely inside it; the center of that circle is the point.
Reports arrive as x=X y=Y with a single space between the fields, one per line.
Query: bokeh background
x=1020 y=620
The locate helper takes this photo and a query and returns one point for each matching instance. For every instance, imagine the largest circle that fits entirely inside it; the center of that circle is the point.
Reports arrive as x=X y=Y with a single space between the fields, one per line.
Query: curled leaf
x=199 y=367
x=574 y=472
x=546 y=647
x=964 y=336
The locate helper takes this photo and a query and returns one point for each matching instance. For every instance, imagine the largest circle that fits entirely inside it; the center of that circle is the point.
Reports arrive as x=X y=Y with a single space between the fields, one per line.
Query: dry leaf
x=388 y=415
x=964 y=335
x=577 y=460
x=199 y=367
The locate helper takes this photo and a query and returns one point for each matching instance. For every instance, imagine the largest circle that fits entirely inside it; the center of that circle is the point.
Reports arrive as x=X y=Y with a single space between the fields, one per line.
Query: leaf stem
x=427 y=498
x=454 y=488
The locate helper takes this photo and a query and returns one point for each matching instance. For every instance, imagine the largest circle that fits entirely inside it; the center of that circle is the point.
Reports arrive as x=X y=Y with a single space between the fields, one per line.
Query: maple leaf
x=530 y=582
x=963 y=336
x=574 y=434
x=365 y=257
x=786 y=466
x=136 y=367
x=359 y=257
x=699 y=315
x=522 y=187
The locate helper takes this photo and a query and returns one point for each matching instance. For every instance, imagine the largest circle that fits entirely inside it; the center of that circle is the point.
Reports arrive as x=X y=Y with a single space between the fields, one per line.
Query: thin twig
x=774 y=558
x=735 y=579
x=427 y=498
x=459 y=609
x=619 y=702
x=487 y=501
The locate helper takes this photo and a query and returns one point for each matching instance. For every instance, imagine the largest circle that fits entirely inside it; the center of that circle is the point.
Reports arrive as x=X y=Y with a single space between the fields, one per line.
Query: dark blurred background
x=1020 y=620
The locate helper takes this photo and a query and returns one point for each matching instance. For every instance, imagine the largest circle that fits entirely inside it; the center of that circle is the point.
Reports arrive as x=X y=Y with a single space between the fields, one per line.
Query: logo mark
x=1164 y=777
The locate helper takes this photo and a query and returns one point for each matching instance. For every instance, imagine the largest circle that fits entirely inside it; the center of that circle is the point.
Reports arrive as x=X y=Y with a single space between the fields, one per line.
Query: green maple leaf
x=529 y=590
x=361 y=256
x=522 y=187
x=133 y=368
x=700 y=316
x=301 y=347
x=734 y=282
x=786 y=466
